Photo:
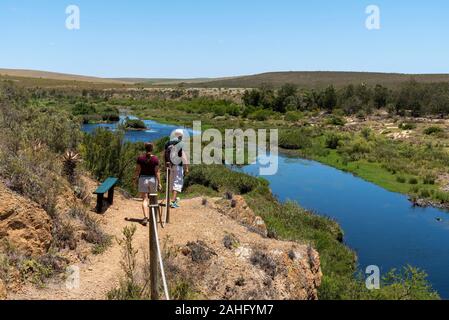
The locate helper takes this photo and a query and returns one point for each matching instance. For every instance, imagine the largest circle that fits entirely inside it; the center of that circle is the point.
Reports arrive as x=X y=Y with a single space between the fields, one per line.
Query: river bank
x=339 y=263
x=376 y=149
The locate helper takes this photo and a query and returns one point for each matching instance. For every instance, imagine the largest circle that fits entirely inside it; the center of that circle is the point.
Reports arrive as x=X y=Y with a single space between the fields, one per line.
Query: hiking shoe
x=174 y=205
x=145 y=221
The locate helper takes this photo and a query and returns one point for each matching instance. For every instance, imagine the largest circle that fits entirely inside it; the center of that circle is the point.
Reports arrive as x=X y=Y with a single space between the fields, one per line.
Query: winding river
x=382 y=227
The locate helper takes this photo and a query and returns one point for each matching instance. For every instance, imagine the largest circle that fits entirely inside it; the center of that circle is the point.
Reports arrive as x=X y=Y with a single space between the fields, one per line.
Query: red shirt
x=148 y=165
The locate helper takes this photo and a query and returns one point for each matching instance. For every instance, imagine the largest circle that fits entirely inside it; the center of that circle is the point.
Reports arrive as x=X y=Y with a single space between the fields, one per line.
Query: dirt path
x=100 y=273
x=195 y=222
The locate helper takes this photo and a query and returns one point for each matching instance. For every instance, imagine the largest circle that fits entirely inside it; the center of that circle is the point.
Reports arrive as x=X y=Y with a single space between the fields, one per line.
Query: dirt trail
x=100 y=273
x=194 y=221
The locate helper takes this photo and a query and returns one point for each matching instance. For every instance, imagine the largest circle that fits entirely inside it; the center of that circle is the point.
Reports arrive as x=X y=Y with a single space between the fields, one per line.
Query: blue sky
x=210 y=38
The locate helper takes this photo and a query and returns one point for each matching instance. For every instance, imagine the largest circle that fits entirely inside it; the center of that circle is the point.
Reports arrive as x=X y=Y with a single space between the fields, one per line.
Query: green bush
x=433 y=130
x=429 y=179
x=211 y=176
x=407 y=126
x=413 y=181
x=336 y=121
x=332 y=141
x=134 y=124
x=293 y=116
x=261 y=115
x=401 y=179
x=294 y=139
x=106 y=154
x=83 y=108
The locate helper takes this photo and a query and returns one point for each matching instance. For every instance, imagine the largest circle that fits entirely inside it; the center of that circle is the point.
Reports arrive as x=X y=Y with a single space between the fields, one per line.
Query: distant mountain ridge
x=303 y=79
x=54 y=76
x=319 y=79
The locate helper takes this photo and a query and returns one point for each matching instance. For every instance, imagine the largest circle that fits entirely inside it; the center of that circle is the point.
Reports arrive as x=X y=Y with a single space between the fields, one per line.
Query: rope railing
x=155 y=246
x=159 y=254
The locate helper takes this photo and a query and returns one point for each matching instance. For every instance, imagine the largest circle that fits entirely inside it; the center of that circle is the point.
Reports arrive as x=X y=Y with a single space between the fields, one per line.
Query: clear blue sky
x=209 y=38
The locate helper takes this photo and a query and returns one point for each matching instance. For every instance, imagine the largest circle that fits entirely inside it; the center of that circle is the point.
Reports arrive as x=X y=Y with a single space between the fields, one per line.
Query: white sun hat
x=178 y=132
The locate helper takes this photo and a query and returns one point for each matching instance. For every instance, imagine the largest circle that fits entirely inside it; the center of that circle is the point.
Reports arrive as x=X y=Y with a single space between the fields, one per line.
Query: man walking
x=176 y=160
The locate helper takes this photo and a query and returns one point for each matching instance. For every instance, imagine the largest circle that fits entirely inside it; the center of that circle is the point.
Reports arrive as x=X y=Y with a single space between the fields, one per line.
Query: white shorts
x=177 y=178
x=147 y=184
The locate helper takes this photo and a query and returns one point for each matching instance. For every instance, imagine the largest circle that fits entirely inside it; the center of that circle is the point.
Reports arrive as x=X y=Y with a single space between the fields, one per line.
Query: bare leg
x=145 y=203
x=175 y=195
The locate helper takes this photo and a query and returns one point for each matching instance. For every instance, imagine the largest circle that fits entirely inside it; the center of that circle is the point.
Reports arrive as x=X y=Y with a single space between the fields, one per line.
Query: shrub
x=92 y=230
x=401 y=179
x=332 y=141
x=134 y=124
x=106 y=154
x=294 y=139
x=433 y=130
x=336 y=121
x=424 y=193
x=442 y=196
x=413 y=181
x=261 y=115
x=63 y=234
x=407 y=126
x=213 y=177
x=429 y=179
x=129 y=288
x=366 y=133
x=293 y=116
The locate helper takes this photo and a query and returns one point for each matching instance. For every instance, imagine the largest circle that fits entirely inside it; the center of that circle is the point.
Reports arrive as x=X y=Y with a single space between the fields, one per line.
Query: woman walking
x=147 y=178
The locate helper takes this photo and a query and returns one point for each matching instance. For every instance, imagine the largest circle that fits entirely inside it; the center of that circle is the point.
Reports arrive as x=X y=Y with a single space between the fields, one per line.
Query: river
x=381 y=226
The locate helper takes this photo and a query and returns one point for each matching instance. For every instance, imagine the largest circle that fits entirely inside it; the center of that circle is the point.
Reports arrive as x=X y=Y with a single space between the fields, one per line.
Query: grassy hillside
x=309 y=80
x=322 y=79
x=53 y=83
x=54 y=76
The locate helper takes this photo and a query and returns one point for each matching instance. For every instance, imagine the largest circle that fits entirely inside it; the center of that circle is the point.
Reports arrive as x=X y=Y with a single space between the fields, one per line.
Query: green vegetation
x=130 y=288
x=404 y=167
x=433 y=130
x=289 y=221
x=135 y=287
x=407 y=126
x=411 y=97
x=33 y=142
x=106 y=154
x=34 y=269
x=391 y=164
x=92 y=113
x=134 y=124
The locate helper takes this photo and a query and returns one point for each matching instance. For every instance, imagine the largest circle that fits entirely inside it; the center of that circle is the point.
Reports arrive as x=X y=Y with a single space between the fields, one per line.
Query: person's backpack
x=170 y=150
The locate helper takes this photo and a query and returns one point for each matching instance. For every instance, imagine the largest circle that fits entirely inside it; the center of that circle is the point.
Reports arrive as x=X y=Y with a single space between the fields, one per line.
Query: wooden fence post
x=153 y=250
x=168 y=193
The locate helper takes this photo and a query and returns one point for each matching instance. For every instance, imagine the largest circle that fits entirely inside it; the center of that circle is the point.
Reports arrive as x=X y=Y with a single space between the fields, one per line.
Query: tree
x=380 y=96
x=329 y=98
x=410 y=98
x=363 y=93
x=286 y=94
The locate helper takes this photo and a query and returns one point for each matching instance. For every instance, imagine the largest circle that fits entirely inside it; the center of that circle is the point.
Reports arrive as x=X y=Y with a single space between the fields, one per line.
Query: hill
x=55 y=76
x=321 y=79
x=303 y=79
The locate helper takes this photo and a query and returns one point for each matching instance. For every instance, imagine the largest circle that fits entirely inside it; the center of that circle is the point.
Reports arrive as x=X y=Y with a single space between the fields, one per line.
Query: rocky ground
x=219 y=244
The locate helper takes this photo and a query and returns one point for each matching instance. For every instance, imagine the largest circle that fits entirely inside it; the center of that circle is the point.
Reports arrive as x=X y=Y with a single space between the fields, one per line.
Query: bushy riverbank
x=286 y=221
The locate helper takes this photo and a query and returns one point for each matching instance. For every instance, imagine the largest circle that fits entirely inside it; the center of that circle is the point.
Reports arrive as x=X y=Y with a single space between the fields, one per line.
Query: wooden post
x=99 y=207
x=111 y=196
x=153 y=250
x=168 y=193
